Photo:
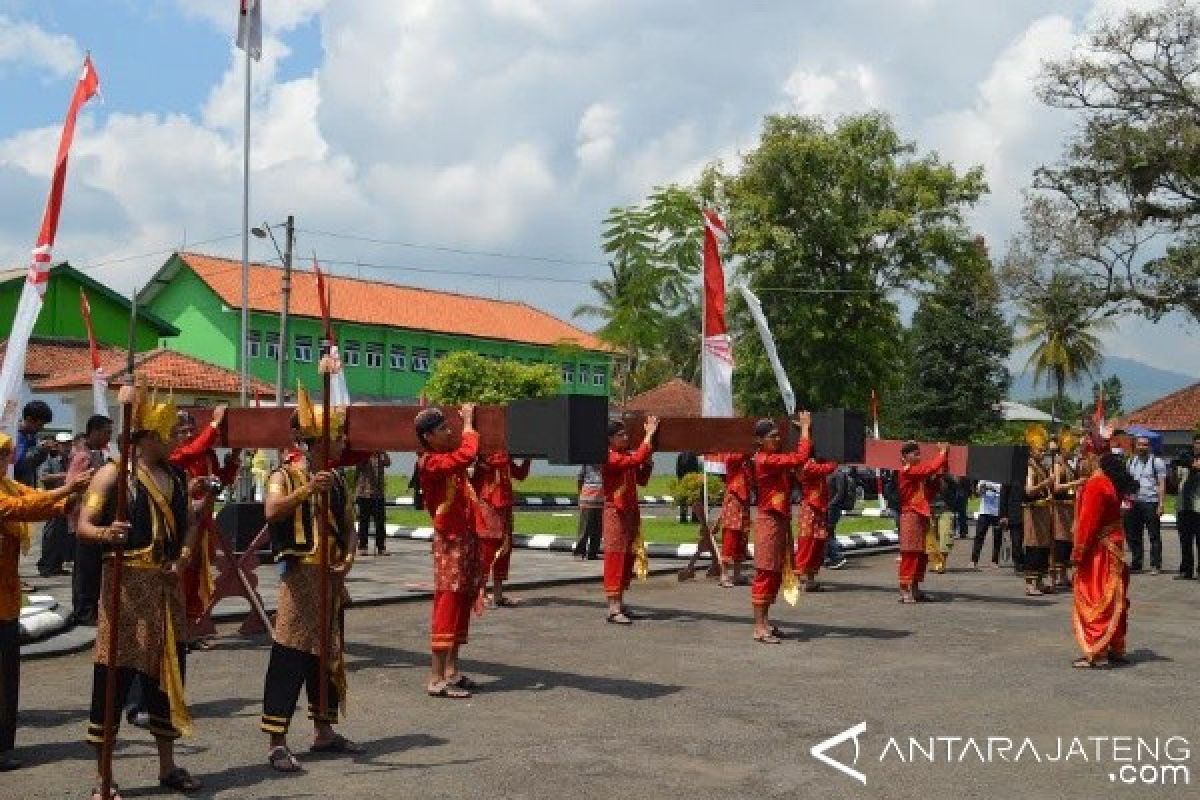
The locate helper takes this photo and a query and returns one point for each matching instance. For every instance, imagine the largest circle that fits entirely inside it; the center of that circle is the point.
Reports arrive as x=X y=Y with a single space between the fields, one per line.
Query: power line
x=455 y=250
x=463 y=273
x=163 y=252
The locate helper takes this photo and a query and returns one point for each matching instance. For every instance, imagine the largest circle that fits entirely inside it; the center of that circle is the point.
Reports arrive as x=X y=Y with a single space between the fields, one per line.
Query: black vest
x=150 y=534
x=296 y=536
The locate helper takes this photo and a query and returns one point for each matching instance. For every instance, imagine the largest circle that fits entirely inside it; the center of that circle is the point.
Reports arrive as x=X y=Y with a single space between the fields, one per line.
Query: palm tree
x=1063 y=330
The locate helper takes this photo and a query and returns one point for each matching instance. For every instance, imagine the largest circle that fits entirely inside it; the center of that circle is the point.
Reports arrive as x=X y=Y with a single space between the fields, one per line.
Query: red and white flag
x=30 y=304
x=717 y=367
x=99 y=377
x=249 y=32
x=339 y=392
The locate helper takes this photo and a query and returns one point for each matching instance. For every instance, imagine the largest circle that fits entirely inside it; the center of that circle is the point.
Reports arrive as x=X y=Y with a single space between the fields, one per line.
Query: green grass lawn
x=665 y=528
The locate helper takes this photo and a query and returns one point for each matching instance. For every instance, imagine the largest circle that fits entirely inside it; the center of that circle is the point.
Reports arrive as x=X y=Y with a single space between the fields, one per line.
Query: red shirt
x=814 y=486
x=449 y=497
x=622 y=473
x=1099 y=511
x=773 y=475
x=738 y=474
x=197 y=458
x=914 y=493
x=494 y=475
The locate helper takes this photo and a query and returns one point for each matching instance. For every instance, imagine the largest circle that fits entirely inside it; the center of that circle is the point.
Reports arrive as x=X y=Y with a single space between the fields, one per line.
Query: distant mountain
x=1142 y=383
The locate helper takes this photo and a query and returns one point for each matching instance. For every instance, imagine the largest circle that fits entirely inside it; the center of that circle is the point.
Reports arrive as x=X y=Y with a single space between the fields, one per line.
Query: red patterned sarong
x=1100 y=611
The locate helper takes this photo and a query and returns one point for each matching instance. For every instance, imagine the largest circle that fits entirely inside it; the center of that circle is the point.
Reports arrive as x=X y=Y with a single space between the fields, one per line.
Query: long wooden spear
x=323 y=503
x=124 y=464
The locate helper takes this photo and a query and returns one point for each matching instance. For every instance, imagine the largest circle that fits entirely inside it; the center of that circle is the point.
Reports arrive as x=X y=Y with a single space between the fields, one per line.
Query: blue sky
x=495 y=125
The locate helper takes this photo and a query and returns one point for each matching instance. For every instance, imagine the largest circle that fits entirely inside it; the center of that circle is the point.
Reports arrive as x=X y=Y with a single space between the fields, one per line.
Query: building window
x=353 y=353
x=374 y=355
x=304 y=349
x=273 y=346
x=568 y=373
x=253 y=344
x=399 y=357
x=324 y=347
x=420 y=359
x=598 y=377
x=584 y=374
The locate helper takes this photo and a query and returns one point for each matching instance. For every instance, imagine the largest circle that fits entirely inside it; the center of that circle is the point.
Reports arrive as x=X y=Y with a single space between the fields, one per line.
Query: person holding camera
x=1146 y=512
x=30 y=453
x=1187 y=510
x=197 y=458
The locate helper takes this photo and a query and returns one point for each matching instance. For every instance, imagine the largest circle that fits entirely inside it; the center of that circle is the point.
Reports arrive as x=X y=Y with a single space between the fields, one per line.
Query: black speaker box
x=568 y=429
x=241 y=522
x=1003 y=463
x=839 y=435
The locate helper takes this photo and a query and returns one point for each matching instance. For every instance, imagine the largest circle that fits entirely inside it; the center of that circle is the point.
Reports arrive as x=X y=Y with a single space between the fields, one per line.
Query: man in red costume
x=197 y=458
x=915 y=514
x=1101 y=604
x=813 y=531
x=773 y=472
x=735 y=515
x=621 y=472
x=494 y=474
x=452 y=504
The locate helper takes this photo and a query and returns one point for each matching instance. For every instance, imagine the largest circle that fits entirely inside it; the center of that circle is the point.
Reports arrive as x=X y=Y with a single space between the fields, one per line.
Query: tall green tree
x=1114 y=395
x=958 y=346
x=1062 y=329
x=650 y=298
x=1122 y=206
x=828 y=222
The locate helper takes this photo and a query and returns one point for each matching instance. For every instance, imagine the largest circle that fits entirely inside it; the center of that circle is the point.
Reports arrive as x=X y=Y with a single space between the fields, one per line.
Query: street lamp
x=285 y=256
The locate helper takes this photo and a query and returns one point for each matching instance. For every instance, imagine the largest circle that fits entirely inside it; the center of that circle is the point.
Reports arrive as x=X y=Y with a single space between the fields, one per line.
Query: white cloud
x=26 y=43
x=597 y=134
x=842 y=91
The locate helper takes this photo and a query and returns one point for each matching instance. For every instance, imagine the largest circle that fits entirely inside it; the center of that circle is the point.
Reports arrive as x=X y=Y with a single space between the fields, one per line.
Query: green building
x=390 y=336
x=60 y=318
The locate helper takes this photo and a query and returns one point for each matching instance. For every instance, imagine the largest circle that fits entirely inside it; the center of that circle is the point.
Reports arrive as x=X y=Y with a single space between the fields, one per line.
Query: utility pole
x=285 y=296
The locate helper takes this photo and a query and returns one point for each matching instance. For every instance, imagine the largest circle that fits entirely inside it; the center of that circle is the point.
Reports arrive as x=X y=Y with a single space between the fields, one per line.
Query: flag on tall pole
x=30 y=304
x=249 y=32
x=764 y=333
x=99 y=376
x=339 y=391
x=717 y=354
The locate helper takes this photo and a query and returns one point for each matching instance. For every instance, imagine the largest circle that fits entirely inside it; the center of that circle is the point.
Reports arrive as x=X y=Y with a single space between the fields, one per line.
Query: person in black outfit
x=58 y=546
x=85 y=575
x=1012 y=520
x=1187 y=510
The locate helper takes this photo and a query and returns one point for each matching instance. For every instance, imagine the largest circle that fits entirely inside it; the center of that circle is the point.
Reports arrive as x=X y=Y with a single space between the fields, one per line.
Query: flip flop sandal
x=338 y=744
x=1083 y=663
x=113 y=793
x=444 y=689
x=768 y=638
x=180 y=780
x=463 y=682
x=508 y=602
x=618 y=618
x=908 y=601
x=725 y=583
x=281 y=759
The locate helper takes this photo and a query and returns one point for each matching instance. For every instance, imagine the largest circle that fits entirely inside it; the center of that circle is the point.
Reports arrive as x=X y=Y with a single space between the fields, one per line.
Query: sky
x=476 y=145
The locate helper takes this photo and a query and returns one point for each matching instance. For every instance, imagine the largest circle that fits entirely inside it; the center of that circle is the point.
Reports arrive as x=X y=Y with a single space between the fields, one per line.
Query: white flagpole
x=242 y=366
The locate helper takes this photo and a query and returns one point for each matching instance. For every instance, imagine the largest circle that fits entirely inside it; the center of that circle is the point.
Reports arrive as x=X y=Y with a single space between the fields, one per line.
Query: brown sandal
x=444 y=689
x=281 y=759
x=767 y=638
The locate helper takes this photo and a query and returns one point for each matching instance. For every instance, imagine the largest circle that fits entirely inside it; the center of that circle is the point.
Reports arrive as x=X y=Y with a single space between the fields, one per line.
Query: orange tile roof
x=1178 y=411
x=377 y=303
x=675 y=398
x=46 y=357
x=161 y=369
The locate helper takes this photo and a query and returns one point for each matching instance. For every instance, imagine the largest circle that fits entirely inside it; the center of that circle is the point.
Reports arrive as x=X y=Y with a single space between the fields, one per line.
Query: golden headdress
x=309 y=418
x=1036 y=437
x=153 y=416
x=1067 y=440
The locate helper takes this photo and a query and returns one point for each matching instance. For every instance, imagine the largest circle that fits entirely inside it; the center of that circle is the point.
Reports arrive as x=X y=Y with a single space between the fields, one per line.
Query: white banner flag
x=249 y=32
x=764 y=332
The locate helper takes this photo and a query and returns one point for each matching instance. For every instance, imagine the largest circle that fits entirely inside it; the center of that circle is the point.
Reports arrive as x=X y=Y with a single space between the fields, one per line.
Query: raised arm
x=445 y=463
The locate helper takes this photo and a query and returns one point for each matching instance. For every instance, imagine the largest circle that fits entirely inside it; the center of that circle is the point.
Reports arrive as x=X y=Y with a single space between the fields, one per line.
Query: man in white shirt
x=1150 y=472
x=989 y=519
